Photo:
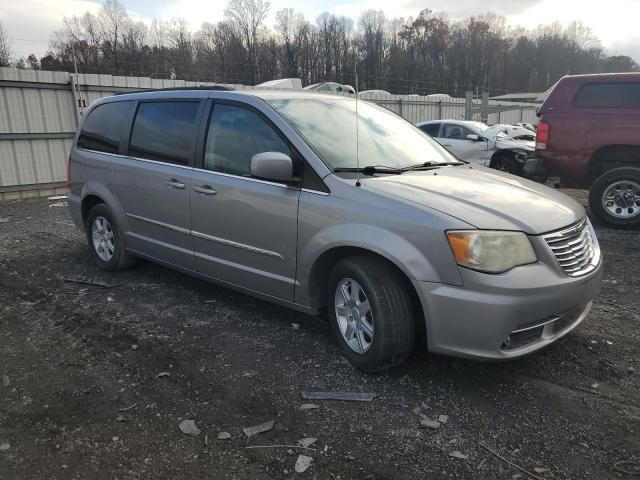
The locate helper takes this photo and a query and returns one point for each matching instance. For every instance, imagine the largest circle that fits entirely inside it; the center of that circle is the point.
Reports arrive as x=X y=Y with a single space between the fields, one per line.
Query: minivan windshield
x=385 y=139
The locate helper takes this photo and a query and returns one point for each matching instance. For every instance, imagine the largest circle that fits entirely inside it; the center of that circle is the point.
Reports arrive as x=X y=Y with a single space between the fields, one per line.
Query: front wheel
x=615 y=197
x=370 y=313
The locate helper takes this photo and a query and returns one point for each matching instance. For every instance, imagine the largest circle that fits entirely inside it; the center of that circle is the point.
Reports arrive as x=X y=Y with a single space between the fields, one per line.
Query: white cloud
x=614 y=22
x=30 y=23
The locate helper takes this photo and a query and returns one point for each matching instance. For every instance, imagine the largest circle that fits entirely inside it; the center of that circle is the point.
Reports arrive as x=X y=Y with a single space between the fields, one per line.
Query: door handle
x=173 y=183
x=206 y=189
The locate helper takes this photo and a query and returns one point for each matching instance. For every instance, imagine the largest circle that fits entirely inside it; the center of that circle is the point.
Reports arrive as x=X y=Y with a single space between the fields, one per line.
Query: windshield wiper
x=371 y=169
x=430 y=165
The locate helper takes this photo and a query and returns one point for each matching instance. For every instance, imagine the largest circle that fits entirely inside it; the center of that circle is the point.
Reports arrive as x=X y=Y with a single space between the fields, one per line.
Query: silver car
x=327 y=206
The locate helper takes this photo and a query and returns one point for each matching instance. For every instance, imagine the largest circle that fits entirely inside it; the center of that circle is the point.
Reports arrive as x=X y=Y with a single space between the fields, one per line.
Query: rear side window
x=235 y=135
x=608 y=95
x=431 y=129
x=164 y=131
x=101 y=130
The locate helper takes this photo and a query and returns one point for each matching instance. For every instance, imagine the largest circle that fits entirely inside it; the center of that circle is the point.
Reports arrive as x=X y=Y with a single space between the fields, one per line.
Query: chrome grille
x=574 y=248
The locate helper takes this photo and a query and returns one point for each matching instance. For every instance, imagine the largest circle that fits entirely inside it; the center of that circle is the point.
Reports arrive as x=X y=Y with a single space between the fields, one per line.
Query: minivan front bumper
x=499 y=317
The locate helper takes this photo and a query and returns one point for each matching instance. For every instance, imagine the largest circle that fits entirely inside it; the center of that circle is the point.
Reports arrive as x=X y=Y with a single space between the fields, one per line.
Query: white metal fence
x=39 y=113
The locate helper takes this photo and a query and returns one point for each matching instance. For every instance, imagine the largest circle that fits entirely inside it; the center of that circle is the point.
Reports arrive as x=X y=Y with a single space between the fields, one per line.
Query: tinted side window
x=608 y=95
x=455 y=132
x=164 y=131
x=235 y=135
x=101 y=130
x=431 y=129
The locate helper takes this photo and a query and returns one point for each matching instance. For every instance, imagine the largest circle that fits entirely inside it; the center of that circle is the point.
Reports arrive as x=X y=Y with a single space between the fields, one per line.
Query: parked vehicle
x=330 y=87
x=373 y=94
x=589 y=136
x=283 y=83
x=503 y=147
x=390 y=238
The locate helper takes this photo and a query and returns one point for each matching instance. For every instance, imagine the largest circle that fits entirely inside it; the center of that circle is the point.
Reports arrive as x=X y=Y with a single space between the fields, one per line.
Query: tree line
x=430 y=53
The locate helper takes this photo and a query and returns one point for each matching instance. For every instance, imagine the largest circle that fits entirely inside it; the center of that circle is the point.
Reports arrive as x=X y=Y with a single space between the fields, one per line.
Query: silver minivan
x=335 y=206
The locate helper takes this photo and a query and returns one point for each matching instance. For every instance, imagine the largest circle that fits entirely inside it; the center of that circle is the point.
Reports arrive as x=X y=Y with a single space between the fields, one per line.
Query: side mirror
x=272 y=166
x=473 y=137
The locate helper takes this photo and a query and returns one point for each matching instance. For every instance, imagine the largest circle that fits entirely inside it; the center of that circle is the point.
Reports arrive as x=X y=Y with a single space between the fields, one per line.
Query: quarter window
x=431 y=129
x=608 y=95
x=235 y=135
x=101 y=130
x=164 y=131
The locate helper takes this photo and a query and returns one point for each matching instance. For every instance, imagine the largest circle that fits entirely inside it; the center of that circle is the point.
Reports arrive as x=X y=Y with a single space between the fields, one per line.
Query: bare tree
x=5 y=48
x=248 y=16
x=429 y=53
x=112 y=19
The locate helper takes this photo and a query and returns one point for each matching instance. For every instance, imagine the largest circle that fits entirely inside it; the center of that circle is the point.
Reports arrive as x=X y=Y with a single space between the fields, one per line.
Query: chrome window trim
x=130 y=157
x=250 y=179
x=242 y=246
x=157 y=162
x=317 y=192
x=98 y=151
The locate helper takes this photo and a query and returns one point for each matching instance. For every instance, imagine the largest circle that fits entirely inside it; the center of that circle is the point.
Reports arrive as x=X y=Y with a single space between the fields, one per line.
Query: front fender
x=403 y=254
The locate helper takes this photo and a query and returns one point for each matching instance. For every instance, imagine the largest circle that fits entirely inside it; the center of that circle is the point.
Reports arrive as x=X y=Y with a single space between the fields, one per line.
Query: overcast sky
x=30 y=22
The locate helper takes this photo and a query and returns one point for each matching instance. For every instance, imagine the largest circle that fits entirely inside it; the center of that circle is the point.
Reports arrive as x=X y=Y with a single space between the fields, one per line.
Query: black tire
x=120 y=259
x=391 y=307
x=506 y=162
x=600 y=186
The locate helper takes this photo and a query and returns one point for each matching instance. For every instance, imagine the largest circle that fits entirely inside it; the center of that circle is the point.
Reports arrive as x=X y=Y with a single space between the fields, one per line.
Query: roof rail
x=169 y=89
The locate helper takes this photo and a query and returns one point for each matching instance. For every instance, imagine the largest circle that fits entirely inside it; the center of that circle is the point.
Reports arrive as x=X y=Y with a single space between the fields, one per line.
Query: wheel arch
x=95 y=193
x=321 y=268
x=609 y=157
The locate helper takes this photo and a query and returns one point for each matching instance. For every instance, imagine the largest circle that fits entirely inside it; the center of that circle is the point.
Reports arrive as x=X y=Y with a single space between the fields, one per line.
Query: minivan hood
x=484 y=198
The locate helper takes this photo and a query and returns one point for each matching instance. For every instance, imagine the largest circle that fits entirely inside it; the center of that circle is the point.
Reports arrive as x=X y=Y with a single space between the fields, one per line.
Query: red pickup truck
x=589 y=136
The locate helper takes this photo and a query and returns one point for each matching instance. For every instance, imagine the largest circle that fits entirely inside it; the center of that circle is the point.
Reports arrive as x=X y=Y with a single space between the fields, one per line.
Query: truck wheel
x=370 y=313
x=106 y=240
x=615 y=197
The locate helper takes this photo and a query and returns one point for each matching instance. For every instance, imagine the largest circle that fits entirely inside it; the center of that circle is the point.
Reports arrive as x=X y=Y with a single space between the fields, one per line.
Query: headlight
x=491 y=251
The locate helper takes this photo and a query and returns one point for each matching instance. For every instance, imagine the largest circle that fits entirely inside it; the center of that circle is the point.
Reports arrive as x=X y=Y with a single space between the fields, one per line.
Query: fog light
x=507 y=342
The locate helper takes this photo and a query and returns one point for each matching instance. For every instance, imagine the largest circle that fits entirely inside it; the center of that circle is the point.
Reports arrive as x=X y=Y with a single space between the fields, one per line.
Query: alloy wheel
x=102 y=237
x=354 y=315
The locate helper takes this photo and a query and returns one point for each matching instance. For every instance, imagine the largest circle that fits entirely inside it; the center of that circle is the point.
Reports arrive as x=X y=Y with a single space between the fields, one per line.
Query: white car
x=503 y=147
x=330 y=87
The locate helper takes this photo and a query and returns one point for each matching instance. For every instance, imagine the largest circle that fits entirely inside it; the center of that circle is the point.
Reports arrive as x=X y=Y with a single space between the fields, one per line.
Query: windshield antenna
x=355 y=70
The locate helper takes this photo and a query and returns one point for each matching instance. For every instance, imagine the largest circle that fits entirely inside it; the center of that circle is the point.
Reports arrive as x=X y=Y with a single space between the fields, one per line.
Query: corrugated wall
x=38 y=118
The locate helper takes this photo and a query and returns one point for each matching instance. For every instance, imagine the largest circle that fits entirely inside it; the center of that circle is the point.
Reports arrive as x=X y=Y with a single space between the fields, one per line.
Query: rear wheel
x=615 y=197
x=106 y=241
x=371 y=313
x=506 y=162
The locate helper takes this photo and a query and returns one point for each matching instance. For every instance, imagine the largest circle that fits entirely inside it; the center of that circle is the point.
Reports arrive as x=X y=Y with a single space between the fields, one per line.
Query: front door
x=454 y=138
x=244 y=229
x=152 y=183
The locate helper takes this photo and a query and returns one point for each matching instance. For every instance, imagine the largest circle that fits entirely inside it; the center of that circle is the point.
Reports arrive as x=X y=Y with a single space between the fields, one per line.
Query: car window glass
x=455 y=132
x=235 y=135
x=164 y=131
x=328 y=126
x=431 y=129
x=609 y=95
x=101 y=130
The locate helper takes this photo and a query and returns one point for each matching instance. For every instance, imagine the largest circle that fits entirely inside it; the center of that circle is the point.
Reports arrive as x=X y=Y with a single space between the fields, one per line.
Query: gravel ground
x=81 y=395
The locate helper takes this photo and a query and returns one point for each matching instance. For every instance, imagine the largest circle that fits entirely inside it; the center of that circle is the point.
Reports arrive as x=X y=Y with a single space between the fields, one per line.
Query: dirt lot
x=81 y=398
